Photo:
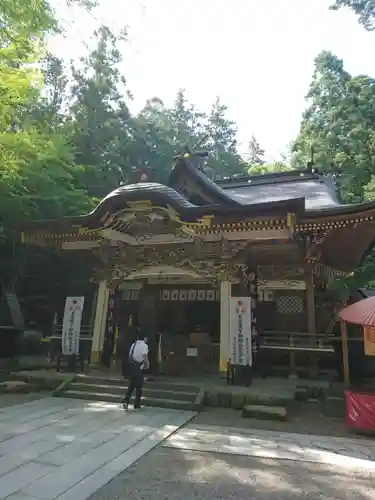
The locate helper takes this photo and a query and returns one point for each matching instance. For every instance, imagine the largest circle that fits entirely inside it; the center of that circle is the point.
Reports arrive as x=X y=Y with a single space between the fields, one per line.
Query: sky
x=256 y=55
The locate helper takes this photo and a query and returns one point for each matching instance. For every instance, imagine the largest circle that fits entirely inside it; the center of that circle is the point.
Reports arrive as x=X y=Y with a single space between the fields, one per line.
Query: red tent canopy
x=360 y=313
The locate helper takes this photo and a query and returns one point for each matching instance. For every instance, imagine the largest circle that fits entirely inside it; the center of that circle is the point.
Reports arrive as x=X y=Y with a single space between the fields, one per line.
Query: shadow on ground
x=184 y=475
x=304 y=418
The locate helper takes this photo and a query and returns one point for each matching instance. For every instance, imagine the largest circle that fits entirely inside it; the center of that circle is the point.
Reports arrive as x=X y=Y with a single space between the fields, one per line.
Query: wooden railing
x=86 y=332
x=296 y=342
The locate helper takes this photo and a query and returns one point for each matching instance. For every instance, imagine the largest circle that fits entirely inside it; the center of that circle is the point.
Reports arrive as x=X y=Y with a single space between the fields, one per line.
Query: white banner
x=240 y=331
x=72 y=325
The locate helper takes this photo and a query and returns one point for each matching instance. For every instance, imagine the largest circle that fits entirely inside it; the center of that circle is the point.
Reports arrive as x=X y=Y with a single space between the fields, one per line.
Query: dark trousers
x=135 y=384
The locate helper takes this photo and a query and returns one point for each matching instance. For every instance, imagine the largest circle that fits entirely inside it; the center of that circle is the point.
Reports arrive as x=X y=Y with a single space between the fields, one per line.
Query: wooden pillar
x=292 y=358
x=93 y=308
x=311 y=324
x=99 y=322
x=225 y=295
x=345 y=352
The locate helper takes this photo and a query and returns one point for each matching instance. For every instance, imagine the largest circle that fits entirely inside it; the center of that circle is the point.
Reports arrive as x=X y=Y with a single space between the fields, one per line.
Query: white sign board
x=72 y=325
x=240 y=331
x=191 y=352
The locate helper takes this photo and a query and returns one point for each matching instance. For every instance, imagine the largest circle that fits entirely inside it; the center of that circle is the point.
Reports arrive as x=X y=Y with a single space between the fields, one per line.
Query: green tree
x=100 y=116
x=36 y=168
x=255 y=152
x=364 y=9
x=54 y=98
x=339 y=124
x=188 y=124
x=160 y=132
x=222 y=142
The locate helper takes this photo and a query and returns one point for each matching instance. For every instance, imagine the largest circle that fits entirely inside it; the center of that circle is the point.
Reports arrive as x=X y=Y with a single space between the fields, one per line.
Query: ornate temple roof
x=318 y=192
x=299 y=202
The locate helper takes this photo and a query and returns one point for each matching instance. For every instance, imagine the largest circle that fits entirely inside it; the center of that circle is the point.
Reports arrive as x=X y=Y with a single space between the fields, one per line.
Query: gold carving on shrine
x=314 y=243
x=154 y=213
x=127 y=217
x=85 y=230
x=207 y=261
x=283 y=274
x=291 y=222
x=140 y=206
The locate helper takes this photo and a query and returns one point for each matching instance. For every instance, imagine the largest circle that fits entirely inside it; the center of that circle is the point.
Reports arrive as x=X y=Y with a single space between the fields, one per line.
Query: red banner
x=360 y=410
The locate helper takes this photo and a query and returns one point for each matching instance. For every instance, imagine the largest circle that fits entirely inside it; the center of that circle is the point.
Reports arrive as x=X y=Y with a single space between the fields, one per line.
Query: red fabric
x=360 y=410
x=360 y=313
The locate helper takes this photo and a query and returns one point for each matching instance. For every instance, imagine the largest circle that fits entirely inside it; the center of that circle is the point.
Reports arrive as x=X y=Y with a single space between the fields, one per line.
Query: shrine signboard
x=72 y=325
x=240 y=331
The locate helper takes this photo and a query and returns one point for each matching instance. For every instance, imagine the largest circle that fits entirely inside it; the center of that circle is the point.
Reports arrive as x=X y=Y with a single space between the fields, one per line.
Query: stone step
x=93 y=380
x=116 y=380
x=119 y=390
x=172 y=404
x=333 y=406
x=263 y=412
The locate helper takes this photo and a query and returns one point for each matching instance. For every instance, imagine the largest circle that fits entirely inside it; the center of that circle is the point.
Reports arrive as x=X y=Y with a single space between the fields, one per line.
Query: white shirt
x=140 y=350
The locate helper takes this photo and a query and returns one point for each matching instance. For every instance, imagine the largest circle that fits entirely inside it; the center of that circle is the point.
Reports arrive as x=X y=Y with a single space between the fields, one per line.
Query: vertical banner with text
x=240 y=331
x=72 y=325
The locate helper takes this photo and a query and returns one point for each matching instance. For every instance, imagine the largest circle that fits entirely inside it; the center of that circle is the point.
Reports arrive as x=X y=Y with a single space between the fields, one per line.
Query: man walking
x=138 y=362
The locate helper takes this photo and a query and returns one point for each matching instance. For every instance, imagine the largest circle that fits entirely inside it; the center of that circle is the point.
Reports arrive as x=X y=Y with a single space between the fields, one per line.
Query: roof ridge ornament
x=194 y=151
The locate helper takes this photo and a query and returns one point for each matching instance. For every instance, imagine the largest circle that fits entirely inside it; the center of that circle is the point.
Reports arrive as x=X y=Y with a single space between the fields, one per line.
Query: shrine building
x=170 y=257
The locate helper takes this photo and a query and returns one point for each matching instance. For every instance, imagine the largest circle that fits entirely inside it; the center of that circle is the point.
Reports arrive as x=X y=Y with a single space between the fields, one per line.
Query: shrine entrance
x=180 y=314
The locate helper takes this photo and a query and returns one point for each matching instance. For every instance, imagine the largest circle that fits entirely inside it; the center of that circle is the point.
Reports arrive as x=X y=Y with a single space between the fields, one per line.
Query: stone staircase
x=155 y=393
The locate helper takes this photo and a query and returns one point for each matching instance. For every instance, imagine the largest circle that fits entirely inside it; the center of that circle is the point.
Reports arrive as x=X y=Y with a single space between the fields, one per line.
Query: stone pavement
x=67 y=449
x=336 y=451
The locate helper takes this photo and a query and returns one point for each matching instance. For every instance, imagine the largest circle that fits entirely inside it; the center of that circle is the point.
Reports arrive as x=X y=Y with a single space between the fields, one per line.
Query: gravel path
x=183 y=475
x=208 y=462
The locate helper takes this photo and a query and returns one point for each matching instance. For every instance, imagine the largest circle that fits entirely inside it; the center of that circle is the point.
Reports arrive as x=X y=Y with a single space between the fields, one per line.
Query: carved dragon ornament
x=214 y=261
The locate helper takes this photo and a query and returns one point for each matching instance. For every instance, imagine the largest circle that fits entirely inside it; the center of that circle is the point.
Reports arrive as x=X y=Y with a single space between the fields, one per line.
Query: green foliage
x=255 y=152
x=100 y=116
x=222 y=142
x=339 y=125
x=363 y=277
x=364 y=9
x=37 y=172
x=23 y=22
x=160 y=132
x=256 y=164
x=267 y=168
x=67 y=141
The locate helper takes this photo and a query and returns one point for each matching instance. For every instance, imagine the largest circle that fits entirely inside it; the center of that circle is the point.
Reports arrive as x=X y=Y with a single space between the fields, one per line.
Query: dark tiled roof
x=318 y=191
x=147 y=189
x=366 y=292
